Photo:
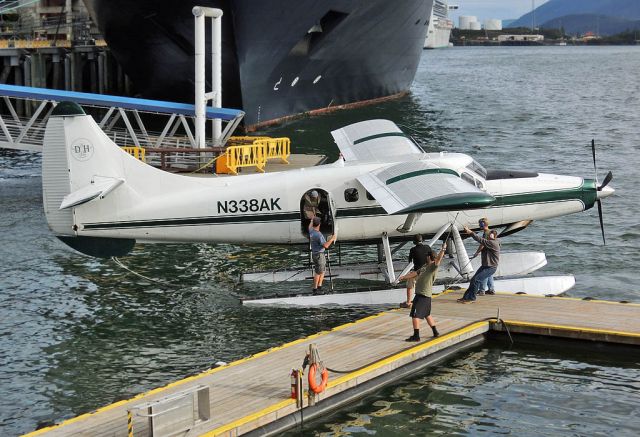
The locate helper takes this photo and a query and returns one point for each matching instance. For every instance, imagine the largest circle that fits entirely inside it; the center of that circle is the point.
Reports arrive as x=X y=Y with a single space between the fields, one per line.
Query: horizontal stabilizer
x=100 y=186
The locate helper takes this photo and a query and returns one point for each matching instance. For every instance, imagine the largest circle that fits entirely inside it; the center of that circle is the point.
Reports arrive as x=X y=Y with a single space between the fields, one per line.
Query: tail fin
x=78 y=165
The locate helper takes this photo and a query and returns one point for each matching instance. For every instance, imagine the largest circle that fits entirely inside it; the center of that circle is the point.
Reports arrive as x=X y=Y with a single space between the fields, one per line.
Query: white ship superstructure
x=440 y=26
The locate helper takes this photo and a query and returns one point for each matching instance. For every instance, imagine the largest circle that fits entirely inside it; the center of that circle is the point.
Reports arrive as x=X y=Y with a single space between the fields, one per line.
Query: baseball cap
x=314 y=193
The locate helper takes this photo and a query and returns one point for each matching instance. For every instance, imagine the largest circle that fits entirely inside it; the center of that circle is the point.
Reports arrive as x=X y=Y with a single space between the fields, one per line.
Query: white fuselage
x=265 y=208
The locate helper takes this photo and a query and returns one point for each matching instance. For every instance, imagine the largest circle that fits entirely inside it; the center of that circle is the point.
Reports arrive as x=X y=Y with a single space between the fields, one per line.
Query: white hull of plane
x=511 y=264
x=533 y=286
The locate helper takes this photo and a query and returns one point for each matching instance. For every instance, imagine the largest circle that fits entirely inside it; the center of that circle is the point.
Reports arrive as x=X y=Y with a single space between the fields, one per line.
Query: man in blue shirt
x=318 y=246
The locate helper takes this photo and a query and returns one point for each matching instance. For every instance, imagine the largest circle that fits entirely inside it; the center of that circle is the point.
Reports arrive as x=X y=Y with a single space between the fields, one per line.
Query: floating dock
x=251 y=396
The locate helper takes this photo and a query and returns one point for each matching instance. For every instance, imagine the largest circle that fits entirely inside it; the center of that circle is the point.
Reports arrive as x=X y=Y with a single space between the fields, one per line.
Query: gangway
x=120 y=118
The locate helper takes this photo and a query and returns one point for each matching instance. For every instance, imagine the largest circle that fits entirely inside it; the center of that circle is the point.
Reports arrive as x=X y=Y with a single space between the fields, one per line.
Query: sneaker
x=465 y=301
x=413 y=338
x=491 y=292
x=481 y=293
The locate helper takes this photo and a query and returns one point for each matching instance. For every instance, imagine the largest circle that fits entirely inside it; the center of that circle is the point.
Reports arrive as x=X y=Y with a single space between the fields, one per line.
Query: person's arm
x=411 y=274
x=440 y=255
x=474 y=236
x=480 y=249
x=327 y=243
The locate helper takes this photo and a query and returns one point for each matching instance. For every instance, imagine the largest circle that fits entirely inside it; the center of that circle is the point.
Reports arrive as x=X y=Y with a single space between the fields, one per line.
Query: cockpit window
x=478 y=169
x=468 y=178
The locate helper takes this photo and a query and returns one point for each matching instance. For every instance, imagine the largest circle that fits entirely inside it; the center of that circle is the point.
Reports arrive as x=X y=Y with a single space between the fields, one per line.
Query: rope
x=211 y=161
x=157 y=281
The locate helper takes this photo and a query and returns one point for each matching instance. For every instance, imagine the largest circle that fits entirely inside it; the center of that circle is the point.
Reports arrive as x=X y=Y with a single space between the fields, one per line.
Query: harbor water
x=78 y=333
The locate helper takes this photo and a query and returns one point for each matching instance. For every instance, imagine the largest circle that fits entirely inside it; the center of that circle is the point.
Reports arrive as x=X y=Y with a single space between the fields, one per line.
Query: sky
x=485 y=9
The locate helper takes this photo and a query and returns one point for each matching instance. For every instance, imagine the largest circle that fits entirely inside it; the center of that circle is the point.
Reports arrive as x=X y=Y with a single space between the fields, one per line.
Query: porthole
x=317 y=79
x=295 y=81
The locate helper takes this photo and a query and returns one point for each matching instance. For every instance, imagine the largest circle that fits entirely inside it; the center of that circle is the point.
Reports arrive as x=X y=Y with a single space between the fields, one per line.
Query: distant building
x=464 y=21
x=522 y=38
x=46 y=20
x=493 y=24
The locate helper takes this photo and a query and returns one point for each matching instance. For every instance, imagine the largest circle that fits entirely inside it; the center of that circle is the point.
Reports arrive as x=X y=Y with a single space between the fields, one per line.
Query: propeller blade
x=601 y=221
x=606 y=181
x=593 y=152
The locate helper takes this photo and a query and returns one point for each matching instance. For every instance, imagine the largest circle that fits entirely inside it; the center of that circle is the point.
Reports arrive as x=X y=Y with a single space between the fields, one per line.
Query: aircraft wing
x=422 y=187
x=373 y=140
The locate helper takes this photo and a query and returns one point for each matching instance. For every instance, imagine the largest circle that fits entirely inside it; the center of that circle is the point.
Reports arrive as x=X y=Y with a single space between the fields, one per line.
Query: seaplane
x=382 y=190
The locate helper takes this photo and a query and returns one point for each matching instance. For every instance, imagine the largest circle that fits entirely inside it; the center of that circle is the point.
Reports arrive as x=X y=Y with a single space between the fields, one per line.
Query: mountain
x=554 y=9
x=580 y=24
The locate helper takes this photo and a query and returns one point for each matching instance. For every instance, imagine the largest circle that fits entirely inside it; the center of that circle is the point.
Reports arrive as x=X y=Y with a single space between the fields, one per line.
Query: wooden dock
x=252 y=395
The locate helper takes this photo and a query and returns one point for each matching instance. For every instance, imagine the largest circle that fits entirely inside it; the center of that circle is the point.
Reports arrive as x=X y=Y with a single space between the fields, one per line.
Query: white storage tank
x=464 y=21
x=475 y=25
x=493 y=24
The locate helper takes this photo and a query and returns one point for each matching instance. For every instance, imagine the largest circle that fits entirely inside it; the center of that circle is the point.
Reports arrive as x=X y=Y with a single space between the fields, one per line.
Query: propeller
x=605 y=182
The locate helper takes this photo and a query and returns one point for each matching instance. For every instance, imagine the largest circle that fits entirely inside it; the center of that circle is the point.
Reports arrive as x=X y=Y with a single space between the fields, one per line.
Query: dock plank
x=254 y=391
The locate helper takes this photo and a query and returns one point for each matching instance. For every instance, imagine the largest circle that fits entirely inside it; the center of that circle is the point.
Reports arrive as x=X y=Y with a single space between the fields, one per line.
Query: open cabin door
x=322 y=206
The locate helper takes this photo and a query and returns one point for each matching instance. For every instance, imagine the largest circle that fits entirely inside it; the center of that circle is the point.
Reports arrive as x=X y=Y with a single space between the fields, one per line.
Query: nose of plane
x=605 y=192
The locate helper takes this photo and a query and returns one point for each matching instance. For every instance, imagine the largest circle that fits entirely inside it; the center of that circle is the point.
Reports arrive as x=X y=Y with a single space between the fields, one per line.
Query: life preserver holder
x=313 y=385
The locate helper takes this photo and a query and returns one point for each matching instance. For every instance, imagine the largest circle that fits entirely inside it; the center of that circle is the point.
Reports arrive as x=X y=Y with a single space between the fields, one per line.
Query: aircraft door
x=317 y=202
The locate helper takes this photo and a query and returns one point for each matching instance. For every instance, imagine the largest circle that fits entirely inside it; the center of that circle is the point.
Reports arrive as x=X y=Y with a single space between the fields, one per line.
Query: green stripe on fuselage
x=417 y=173
x=586 y=193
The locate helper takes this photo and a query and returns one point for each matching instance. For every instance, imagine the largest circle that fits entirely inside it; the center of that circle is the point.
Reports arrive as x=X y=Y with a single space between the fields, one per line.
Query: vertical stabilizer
x=73 y=174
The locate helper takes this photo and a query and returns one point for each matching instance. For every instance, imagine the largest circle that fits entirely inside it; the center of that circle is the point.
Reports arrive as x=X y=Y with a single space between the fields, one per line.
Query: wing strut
x=390 y=273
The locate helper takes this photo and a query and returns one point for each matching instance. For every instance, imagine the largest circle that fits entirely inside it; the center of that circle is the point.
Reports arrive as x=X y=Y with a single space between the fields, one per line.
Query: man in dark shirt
x=490 y=260
x=418 y=255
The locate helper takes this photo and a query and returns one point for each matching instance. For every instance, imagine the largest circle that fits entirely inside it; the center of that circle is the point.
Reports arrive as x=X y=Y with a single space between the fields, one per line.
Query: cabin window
x=478 y=169
x=369 y=196
x=479 y=184
x=468 y=178
x=351 y=195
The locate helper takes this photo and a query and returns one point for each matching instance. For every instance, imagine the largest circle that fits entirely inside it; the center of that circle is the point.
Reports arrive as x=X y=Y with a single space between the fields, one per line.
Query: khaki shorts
x=319 y=262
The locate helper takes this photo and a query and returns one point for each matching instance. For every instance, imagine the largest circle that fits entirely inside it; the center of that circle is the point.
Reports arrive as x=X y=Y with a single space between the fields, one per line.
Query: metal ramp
x=24 y=112
x=172 y=415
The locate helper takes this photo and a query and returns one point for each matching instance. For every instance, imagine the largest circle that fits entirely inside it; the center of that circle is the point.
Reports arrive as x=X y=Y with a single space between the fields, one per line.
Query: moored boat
x=280 y=58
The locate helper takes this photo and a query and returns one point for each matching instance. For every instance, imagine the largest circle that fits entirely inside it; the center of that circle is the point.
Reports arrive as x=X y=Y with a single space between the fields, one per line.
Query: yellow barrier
x=136 y=152
x=276 y=148
x=249 y=155
x=253 y=152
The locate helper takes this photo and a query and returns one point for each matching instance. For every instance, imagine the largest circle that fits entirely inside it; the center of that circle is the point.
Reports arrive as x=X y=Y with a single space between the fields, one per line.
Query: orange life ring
x=312 y=379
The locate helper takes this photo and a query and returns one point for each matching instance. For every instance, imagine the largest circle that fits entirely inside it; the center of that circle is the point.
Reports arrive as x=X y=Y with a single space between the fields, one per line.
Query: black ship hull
x=280 y=57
